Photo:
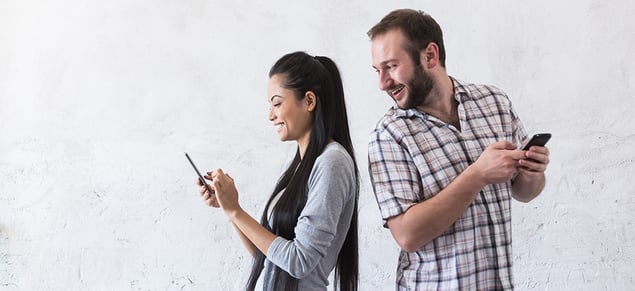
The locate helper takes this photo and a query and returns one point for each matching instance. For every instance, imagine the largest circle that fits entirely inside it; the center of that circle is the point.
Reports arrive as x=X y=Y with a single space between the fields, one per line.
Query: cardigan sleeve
x=331 y=186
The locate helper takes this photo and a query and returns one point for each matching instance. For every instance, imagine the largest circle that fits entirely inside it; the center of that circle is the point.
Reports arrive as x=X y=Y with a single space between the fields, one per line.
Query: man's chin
x=404 y=104
x=401 y=104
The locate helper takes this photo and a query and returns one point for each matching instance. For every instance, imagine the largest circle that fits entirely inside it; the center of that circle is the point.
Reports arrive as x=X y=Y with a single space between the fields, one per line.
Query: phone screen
x=200 y=177
x=539 y=139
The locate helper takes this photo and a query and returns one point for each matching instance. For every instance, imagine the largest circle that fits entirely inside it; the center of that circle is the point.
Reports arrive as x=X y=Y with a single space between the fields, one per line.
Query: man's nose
x=385 y=81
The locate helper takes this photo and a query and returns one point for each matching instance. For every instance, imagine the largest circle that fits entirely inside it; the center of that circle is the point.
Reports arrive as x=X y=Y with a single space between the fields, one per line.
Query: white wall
x=98 y=102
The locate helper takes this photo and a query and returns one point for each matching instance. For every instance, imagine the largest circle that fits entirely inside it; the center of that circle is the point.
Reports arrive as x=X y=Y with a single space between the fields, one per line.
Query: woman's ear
x=310 y=100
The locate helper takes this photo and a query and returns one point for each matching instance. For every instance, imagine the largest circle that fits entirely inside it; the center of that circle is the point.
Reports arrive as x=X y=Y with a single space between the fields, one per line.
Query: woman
x=309 y=224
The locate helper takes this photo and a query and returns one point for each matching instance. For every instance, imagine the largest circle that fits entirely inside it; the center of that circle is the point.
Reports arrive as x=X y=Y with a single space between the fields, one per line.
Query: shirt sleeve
x=393 y=174
x=331 y=186
x=518 y=130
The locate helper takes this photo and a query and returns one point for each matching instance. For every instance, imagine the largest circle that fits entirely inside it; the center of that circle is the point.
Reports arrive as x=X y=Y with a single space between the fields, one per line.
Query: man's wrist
x=473 y=176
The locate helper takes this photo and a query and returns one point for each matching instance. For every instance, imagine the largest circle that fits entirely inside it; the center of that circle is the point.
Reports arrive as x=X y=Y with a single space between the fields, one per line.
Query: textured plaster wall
x=99 y=100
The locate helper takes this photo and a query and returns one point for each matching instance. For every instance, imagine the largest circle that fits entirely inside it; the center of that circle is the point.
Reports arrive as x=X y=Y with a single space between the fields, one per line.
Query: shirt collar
x=461 y=93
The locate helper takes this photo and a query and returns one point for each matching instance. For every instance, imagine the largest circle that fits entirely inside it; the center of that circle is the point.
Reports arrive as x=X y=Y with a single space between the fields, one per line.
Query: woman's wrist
x=234 y=214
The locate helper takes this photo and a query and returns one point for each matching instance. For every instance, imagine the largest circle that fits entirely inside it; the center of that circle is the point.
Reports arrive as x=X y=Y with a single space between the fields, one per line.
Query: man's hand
x=498 y=163
x=535 y=161
x=531 y=174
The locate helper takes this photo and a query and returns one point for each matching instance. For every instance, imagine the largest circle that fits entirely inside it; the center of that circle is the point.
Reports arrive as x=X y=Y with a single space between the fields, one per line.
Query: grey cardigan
x=322 y=225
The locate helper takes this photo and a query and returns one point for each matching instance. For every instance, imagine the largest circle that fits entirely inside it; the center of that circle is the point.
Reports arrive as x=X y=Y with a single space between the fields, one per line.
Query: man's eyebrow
x=384 y=63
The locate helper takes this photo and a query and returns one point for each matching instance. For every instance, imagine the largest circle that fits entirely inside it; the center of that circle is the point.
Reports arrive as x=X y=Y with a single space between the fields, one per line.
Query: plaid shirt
x=413 y=156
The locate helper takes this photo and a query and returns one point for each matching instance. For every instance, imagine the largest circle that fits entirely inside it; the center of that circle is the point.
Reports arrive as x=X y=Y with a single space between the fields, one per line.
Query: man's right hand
x=498 y=163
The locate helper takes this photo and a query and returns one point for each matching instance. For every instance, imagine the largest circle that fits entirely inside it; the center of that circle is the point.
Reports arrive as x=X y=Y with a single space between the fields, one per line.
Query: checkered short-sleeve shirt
x=413 y=156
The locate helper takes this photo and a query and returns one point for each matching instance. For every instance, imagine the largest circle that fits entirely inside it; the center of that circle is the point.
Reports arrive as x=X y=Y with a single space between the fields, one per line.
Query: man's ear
x=310 y=100
x=429 y=56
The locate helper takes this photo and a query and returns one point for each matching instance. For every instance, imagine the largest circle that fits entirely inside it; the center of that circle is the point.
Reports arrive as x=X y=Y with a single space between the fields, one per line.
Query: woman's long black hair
x=320 y=75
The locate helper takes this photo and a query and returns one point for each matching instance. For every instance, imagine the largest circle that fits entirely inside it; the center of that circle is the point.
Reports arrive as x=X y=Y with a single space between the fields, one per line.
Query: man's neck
x=441 y=102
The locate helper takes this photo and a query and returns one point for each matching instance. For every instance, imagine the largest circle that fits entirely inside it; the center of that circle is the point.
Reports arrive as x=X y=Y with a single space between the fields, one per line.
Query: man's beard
x=419 y=88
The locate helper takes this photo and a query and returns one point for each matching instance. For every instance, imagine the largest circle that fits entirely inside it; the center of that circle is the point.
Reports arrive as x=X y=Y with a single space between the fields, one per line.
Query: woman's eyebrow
x=274 y=96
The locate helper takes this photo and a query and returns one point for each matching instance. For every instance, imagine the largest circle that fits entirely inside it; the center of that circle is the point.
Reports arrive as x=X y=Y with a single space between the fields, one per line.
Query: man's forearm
x=425 y=221
x=525 y=189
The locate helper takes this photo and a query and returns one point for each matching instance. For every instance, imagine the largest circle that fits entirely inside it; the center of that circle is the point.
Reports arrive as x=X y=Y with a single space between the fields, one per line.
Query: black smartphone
x=200 y=177
x=538 y=139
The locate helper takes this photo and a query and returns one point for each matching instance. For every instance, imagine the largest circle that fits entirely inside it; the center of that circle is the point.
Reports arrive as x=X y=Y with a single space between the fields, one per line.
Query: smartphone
x=538 y=139
x=200 y=177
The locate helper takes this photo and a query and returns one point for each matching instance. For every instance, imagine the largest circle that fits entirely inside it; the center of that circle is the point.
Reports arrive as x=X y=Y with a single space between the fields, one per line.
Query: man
x=444 y=163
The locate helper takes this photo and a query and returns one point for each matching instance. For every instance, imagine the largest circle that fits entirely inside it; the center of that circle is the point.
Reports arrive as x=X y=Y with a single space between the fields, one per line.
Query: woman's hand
x=226 y=193
x=209 y=198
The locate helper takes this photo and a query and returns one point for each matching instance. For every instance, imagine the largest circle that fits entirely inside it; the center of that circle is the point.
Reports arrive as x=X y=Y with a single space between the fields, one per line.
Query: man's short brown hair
x=419 y=28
